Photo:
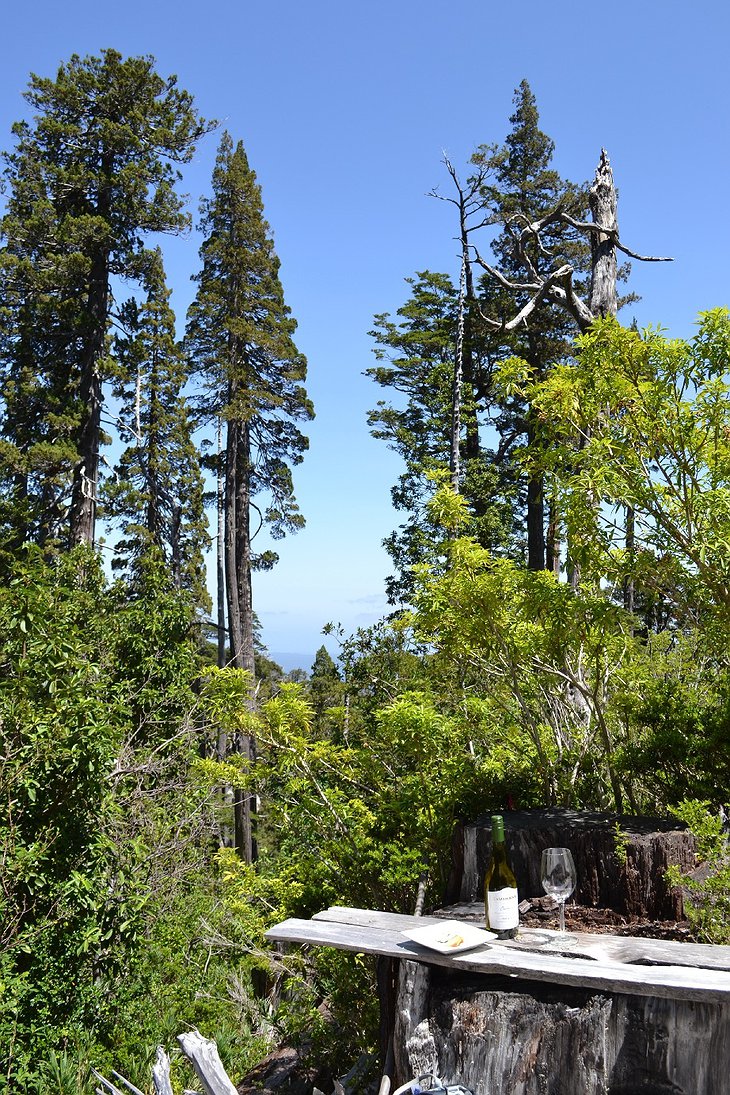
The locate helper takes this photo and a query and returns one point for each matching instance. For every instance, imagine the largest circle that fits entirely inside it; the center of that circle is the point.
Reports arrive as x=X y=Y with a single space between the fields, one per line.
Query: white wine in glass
x=557 y=873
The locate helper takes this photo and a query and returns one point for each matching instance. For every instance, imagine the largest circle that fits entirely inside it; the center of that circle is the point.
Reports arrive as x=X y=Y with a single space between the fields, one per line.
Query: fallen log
x=202 y=1054
x=205 y=1059
x=161 y=1073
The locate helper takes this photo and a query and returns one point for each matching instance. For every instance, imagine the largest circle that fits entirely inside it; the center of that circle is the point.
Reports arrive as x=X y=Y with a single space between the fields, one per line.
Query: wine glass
x=557 y=873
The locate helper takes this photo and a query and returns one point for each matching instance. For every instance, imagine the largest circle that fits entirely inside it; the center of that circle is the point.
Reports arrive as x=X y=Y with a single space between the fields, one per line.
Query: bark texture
x=496 y=1035
x=603 y=203
x=625 y=875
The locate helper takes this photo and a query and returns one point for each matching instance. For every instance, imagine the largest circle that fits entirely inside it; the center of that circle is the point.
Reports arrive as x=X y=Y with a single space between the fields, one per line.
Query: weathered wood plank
x=374 y=918
x=606 y=963
x=673 y=982
x=615 y=948
x=161 y=1073
x=342 y=937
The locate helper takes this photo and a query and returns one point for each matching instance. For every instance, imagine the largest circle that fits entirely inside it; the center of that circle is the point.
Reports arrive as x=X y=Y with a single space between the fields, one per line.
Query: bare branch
x=566 y=295
x=527 y=286
x=612 y=235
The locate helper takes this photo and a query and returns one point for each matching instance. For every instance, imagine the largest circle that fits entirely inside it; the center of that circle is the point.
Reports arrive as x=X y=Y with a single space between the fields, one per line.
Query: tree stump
x=497 y=1035
x=620 y=860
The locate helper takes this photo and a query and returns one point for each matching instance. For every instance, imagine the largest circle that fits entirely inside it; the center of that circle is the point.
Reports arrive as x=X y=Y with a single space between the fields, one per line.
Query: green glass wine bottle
x=500 y=887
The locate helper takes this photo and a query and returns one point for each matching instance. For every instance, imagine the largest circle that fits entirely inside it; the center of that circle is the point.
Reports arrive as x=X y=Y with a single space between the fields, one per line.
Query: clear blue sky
x=345 y=111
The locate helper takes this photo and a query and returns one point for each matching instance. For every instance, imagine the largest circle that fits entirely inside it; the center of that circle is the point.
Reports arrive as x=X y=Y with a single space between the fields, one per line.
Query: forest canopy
x=560 y=591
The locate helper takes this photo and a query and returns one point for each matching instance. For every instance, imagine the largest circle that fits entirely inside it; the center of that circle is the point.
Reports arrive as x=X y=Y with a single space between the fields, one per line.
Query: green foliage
x=88 y=179
x=416 y=359
x=193 y=970
x=102 y=820
x=548 y=661
x=360 y=821
x=643 y=422
x=621 y=841
x=325 y=691
x=707 y=893
x=156 y=493
x=677 y=705
x=706 y=827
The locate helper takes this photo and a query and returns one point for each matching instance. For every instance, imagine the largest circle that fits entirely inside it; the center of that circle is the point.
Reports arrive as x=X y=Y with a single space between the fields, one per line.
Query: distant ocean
x=292 y=661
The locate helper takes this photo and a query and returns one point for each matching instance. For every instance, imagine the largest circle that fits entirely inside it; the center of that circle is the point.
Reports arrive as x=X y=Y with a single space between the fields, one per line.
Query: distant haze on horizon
x=288 y=662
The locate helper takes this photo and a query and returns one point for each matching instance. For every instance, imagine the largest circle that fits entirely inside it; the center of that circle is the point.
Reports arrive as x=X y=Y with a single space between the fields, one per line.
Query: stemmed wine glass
x=557 y=873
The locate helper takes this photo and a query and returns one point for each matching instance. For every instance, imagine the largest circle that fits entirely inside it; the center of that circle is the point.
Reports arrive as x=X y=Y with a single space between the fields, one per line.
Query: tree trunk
x=204 y=1057
x=552 y=544
x=154 y=486
x=240 y=606
x=161 y=1073
x=628 y=589
x=603 y=204
x=457 y=382
x=535 y=511
x=82 y=517
x=498 y=1034
x=245 y=654
x=221 y=557
x=472 y=443
x=231 y=499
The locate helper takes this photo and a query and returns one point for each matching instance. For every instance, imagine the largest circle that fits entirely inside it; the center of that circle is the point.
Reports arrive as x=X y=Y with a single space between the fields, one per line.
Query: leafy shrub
x=707 y=897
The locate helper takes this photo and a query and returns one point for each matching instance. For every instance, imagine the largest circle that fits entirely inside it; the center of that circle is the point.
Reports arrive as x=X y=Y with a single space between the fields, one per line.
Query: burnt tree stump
x=624 y=874
x=501 y=1035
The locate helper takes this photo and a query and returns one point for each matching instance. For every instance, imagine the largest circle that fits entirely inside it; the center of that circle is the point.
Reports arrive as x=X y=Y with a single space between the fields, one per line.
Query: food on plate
x=454 y=940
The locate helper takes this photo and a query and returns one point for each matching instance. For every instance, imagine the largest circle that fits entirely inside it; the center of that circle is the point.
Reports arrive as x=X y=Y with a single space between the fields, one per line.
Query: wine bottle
x=500 y=887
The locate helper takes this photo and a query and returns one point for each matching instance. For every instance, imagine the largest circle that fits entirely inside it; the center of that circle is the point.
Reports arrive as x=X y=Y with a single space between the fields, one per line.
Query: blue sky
x=345 y=111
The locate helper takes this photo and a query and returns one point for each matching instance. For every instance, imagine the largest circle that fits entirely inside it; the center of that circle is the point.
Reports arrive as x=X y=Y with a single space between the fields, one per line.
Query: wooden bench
x=638 y=1014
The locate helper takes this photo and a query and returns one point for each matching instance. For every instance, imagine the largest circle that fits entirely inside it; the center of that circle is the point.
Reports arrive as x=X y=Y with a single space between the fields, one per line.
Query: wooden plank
x=382 y=934
x=673 y=982
x=361 y=940
x=603 y=946
x=374 y=918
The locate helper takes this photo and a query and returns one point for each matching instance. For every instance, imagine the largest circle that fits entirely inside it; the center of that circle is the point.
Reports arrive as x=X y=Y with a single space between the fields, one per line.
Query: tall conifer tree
x=520 y=186
x=510 y=184
x=90 y=176
x=156 y=492
x=415 y=353
x=240 y=336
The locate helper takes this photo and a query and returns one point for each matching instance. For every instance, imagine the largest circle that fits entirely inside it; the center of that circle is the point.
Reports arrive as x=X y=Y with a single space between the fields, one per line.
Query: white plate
x=450 y=936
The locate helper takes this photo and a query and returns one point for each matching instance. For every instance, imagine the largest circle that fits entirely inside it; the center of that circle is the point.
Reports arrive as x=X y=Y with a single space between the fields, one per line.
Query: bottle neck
x=499 y=850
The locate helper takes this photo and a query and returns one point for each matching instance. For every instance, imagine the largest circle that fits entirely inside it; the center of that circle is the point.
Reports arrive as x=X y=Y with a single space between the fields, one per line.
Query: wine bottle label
x=502 y=908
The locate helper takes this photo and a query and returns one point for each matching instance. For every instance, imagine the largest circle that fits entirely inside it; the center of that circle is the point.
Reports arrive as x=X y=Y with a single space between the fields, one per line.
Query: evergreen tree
x=510 y=186
x=520 y=187
x=156 y=493
x=416 y=360
x=89 y=178
x=240 y=338
x=325 y=688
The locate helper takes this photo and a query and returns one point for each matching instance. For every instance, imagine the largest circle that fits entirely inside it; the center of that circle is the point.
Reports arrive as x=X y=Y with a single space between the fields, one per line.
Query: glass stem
x=562 y=916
